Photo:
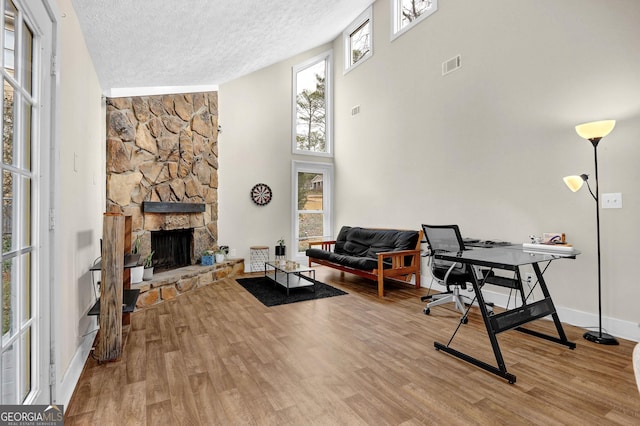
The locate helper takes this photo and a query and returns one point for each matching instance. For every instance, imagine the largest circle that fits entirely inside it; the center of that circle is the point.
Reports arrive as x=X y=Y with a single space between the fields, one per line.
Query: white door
x=27 y=100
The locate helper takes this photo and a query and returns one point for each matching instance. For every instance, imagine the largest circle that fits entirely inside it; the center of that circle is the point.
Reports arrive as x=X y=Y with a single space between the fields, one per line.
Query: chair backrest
x=443 y=238
x=636 y=364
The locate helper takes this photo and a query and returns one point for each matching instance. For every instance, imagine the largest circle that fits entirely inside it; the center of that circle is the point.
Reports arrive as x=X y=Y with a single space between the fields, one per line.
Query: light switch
x=612 y=200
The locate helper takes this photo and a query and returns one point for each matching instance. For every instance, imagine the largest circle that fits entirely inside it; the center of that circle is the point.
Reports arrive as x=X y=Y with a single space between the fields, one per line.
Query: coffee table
x=290 y=274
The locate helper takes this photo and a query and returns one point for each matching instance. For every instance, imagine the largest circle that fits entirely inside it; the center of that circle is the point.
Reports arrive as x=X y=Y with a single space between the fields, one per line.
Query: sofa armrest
x=325 y=245
x=397 y=257
x=398 y=267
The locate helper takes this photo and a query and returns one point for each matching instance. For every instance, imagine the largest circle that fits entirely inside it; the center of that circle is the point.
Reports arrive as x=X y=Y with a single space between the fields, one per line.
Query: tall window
x=312 y=106
x=358 y=41
x=18 y=104
x=312 y=202
x=407 y=13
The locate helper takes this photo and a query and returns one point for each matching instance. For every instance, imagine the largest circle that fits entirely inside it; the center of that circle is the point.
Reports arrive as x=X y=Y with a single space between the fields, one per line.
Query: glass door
x=22 y=366
x=312 y=202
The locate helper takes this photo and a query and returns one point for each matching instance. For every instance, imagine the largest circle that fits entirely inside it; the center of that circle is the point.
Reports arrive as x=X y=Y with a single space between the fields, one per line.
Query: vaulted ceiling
x=169 y=43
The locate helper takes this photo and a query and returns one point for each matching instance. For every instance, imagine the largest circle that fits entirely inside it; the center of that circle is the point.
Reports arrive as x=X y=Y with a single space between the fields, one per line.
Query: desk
x=509 y=258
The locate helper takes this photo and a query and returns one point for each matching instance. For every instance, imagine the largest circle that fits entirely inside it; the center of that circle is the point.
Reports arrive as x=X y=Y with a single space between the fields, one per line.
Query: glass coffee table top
x=290 y=274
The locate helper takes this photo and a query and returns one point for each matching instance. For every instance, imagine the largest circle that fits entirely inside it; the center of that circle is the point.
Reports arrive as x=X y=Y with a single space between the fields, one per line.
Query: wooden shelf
x=130 y=261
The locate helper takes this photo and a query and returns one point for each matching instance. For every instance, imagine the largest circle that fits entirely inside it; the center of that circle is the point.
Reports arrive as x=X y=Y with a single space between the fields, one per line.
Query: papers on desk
x=562 y=249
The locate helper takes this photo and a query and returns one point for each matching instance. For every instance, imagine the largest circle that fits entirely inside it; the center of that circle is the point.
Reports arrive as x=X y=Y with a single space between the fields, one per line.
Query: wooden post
x=110 y=335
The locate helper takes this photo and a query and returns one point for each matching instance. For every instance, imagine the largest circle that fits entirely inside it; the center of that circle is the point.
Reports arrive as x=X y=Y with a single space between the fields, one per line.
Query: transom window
x=407 y=13
x=358 y=41
x=312 y=106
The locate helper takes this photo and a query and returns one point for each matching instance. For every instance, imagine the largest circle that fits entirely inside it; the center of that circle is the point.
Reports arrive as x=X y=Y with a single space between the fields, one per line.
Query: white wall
x=255 y=147
x=79 y=199
x=485 y=146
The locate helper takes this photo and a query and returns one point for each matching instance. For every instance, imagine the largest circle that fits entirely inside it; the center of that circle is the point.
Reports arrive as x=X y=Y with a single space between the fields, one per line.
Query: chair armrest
x=325 y=245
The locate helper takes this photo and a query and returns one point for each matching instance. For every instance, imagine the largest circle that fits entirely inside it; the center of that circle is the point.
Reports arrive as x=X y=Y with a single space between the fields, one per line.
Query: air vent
x=355 y=110
x=451 y=65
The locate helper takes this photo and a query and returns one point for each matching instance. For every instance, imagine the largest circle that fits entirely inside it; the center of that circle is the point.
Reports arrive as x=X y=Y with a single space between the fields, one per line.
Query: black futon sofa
x=376 y=254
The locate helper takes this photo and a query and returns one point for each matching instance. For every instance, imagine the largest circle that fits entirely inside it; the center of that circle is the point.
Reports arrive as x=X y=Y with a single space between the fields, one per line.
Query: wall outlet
x=612 y=200
x=528 y=277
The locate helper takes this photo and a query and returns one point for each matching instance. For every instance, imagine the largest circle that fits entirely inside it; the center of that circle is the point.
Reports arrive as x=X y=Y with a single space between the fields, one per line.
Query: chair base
x=454 y=296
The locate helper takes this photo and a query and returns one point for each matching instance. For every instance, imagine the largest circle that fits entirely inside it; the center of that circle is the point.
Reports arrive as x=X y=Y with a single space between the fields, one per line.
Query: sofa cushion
x=356 y=262
x=365 y=242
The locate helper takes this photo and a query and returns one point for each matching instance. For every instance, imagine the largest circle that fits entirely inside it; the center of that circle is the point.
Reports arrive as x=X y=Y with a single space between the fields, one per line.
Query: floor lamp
x=593 y=132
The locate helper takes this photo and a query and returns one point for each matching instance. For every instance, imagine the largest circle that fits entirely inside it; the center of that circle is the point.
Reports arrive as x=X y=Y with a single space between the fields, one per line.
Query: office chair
x=454 y=276
x=636 y=364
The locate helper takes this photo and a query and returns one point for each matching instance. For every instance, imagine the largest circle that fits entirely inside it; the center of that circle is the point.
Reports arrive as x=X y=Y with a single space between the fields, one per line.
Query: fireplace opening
x=172 y=248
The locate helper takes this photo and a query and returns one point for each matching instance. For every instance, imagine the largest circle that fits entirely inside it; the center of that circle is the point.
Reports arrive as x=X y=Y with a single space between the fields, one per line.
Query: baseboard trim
x=66 y=386
x=589 y=321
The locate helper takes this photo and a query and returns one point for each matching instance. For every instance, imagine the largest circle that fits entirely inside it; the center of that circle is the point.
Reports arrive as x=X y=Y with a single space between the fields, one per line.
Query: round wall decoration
x=261 y=194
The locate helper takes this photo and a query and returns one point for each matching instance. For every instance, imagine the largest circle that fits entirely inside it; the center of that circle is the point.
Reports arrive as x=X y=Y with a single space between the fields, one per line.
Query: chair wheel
x=464 y=320
x=426 y=311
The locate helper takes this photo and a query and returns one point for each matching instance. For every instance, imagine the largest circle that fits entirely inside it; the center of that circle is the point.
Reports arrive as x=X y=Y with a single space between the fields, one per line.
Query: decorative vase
x=281 y=252
x=207 y=260
x=147 y=274
x=136 y=274
x=219 y=257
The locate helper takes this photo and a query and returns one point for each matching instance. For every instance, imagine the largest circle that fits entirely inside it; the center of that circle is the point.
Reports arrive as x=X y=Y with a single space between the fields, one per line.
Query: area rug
x=271 y=294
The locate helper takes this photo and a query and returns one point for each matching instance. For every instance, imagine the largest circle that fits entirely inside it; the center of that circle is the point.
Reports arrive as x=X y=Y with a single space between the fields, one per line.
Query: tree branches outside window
x=311 y=128
x=412 y=9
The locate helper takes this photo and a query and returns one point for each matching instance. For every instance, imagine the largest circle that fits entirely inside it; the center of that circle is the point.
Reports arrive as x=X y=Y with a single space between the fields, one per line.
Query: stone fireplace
x=162 y=169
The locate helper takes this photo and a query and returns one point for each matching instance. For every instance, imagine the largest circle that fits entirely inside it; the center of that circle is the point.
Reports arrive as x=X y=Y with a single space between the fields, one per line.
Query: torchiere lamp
x=593 y=132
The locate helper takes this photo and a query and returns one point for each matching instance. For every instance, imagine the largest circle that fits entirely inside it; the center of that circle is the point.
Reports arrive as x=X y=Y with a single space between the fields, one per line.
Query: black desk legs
x=501 y=369
x=509 y=320
x=556 y=320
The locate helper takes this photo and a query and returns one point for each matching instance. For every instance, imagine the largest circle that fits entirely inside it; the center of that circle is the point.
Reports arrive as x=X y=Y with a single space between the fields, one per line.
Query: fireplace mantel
x=164 y=207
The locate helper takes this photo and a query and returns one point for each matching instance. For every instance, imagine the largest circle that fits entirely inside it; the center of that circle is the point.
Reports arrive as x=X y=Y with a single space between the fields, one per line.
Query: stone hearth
x=170 y=284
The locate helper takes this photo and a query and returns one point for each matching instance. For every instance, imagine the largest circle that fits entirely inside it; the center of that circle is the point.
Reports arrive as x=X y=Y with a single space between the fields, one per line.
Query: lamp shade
x=595 y=129
x=574 y=183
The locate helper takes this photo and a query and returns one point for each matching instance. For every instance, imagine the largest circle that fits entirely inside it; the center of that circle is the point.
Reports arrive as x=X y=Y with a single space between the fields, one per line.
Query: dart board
x=261 y=194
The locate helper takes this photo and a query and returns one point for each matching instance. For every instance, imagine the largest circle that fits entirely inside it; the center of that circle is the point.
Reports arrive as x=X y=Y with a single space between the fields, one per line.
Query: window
x=407 y=13
x=358 y=41
x=16 y=221
x=312 y=193
x=312 y=107
x=27 y=40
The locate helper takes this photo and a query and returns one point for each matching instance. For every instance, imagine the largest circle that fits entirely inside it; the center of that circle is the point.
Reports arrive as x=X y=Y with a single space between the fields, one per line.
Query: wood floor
x=218 y=356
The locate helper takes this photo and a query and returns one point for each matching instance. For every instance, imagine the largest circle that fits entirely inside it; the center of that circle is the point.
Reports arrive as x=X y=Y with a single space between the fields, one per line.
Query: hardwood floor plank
x=151 y=325
x=208 y=404
x=134 y=404
x=183 y=404
x=157 y=383
x=135 y=357
x=159 y=413
x=167 y=327
x=218 y=356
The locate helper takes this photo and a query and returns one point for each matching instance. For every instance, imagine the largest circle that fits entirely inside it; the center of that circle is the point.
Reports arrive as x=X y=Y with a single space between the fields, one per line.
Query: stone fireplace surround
x=164 y=149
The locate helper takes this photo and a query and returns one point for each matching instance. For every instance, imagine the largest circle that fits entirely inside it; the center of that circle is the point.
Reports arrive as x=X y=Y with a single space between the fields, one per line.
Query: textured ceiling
x=169 y=43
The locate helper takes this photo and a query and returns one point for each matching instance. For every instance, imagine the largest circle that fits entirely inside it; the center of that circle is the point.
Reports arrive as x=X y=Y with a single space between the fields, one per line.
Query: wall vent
x=451 y=65
x=355 y=110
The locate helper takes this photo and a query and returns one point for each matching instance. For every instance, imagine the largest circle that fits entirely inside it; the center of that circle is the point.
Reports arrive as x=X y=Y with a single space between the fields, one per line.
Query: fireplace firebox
x=172 y=249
